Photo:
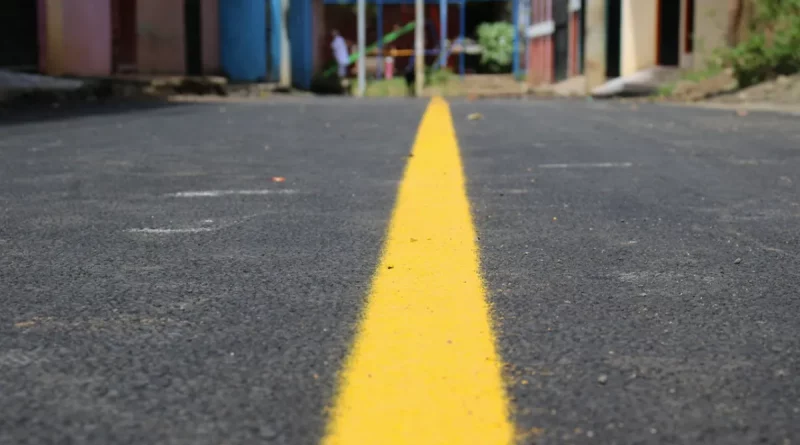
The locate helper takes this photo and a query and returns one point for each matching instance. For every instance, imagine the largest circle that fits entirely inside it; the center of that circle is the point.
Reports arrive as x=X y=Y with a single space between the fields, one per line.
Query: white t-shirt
x=339 y=47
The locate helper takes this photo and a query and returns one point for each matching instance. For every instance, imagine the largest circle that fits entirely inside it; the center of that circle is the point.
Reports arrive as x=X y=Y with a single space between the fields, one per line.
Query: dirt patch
x=721 y=83
x=722 y=88
x=785 y=90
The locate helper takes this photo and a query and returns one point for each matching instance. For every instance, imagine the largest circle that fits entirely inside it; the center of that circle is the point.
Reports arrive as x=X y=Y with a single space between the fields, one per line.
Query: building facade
x=158 y=37
x=555 y=40
x=628 y=36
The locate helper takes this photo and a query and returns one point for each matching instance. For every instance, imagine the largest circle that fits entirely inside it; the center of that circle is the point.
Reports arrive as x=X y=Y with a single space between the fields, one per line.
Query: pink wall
x=210 y=38
x=87 y=37
x=160 y=37
x=75 y=37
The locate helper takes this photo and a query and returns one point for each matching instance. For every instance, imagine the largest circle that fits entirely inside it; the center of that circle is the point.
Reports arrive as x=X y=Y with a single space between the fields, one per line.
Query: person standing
x=340 y=53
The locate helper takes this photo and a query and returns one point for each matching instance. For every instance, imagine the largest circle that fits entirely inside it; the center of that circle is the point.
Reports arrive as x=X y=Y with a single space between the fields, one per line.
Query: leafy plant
x=497 y=41
x=772 y=48
x=440 y=77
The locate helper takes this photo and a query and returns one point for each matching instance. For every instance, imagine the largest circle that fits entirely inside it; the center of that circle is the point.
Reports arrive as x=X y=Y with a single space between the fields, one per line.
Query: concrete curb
x=137 y=88
x=793 y=110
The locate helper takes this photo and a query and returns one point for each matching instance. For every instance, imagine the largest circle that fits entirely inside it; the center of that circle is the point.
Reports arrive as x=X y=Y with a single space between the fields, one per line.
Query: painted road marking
x=424 y=368
x=170 y=231
x=217 y=193
x=203 y=229
x=590 y=165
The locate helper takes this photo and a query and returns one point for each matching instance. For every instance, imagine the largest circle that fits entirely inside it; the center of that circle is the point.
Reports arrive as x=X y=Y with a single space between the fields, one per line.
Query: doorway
x=19 y=35
x=582 y=37
x=613 y=38
x=669 y=31
x=123 y=53
x=561 y=50
x=689 y=28
x=194 y=44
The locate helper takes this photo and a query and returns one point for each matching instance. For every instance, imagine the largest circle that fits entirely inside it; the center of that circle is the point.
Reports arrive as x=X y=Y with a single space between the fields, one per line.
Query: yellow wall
x=639 y=31
x=594 y=54
x=710 y=21
x=640 y=35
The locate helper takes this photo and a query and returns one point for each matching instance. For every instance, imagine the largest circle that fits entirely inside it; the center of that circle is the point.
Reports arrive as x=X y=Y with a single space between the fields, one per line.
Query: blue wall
x=243 y=39
x=274 y=55
x=301 y=40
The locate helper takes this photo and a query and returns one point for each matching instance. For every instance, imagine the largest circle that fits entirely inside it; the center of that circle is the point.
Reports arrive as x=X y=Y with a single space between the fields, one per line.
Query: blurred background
x=667 y=48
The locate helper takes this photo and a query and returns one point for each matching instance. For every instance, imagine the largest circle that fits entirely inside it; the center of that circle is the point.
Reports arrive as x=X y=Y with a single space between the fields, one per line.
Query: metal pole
x=443 y=33
x=380 y=39
x=419 y=47
x=362 y=44
x=515 y=20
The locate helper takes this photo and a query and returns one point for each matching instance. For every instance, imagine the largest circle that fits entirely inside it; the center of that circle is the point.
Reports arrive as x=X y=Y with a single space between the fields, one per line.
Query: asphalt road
x=160 y=285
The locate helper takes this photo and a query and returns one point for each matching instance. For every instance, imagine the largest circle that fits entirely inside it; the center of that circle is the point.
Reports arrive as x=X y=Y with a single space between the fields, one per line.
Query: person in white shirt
x=340 y=53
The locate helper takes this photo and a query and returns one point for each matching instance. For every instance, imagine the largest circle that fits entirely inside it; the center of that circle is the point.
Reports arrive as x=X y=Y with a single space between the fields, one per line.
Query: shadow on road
x=23 y=112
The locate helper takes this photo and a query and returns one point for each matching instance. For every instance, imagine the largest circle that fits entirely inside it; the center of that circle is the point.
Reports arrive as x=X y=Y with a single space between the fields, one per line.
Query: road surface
x=346 y=272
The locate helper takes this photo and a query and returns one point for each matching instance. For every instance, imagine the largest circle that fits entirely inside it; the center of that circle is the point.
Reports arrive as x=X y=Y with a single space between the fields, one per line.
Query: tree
x=735 y=14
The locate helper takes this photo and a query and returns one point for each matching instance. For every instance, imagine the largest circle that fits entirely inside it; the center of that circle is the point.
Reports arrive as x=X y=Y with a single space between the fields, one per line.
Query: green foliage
x=772 y=49
x=666 y=90
x=497 y=41
x=440 y=77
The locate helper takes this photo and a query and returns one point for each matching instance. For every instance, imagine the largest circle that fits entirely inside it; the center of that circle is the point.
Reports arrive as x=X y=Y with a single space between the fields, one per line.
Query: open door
x=614 y=38
x=19 y=35
x=561 y=48
x=193 y=30
x=669 y=32
x=123 y=29
x=582 y=38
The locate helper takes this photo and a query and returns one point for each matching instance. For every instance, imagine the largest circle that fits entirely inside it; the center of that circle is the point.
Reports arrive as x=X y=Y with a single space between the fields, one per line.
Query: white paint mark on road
x=218 y=193
x=17 y=358
x=171 y=231
x=754 y=162
x=185 y=229
x=590 y=165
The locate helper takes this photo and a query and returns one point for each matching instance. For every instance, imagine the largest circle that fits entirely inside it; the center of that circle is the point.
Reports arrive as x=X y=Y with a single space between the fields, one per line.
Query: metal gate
x=540 y=42
x=19 y=47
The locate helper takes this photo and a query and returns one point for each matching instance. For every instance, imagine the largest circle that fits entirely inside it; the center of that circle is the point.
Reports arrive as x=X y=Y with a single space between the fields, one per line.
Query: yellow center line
x=424 y=368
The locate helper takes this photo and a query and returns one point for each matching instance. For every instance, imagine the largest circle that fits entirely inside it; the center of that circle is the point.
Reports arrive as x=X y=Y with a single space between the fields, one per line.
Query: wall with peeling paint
x=76 y=37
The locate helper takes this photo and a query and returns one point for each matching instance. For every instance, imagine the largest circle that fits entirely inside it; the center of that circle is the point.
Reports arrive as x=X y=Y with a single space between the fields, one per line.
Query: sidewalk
x=20 y=88
x=14 y=85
